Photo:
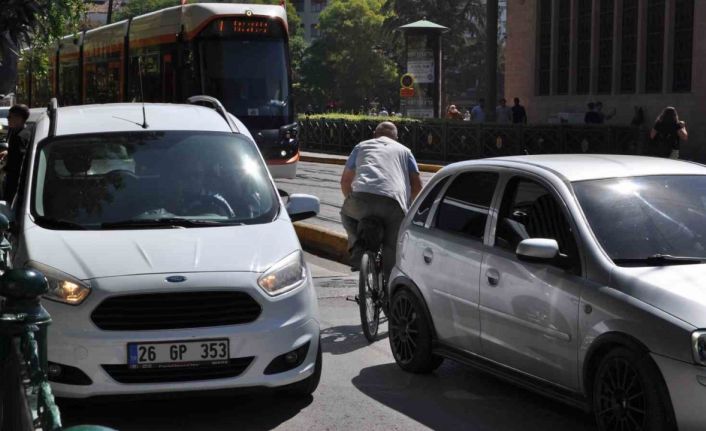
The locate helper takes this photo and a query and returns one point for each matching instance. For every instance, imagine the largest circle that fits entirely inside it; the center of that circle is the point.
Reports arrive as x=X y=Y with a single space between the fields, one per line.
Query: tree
x=464 y=44
x=347 y=63
x=35 y=23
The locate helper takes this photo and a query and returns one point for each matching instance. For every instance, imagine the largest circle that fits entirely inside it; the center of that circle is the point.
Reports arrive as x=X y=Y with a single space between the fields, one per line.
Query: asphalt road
x=361 y=389
x=322 y=181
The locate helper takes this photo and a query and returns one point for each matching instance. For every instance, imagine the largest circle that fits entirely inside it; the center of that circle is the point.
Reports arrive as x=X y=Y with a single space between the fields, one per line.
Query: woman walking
x=668 y=133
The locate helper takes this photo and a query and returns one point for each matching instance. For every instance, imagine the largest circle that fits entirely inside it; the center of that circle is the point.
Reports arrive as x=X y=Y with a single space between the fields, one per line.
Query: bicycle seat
x=371 y=232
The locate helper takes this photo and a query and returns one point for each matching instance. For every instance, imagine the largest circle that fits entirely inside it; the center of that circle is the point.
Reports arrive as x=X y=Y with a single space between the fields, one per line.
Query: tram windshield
x=246 y=67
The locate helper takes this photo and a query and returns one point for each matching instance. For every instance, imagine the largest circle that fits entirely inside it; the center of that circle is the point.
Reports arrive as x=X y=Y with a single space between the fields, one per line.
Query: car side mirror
x=538 y=250
x=301 y=207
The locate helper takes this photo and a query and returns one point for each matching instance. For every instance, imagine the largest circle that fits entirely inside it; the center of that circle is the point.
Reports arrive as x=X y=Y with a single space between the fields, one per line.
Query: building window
x=628 y=64
x=299 y=5
x=545 y=46
x=318 y=5
x=583 y=60
x=605 y=47
x=564 y=48
x=314 y=31
x=683 y=45
x=655 y=46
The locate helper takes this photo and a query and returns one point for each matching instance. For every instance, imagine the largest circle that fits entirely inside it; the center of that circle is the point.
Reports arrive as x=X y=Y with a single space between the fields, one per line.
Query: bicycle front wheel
x=369 y=296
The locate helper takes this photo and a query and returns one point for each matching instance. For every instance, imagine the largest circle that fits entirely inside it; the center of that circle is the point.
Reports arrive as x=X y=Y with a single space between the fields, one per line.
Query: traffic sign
x=406 y=92
x=407 y=80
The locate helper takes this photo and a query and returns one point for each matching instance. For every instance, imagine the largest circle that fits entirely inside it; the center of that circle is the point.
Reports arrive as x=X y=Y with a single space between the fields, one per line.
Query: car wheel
x=629 y=394
x=307 y=386
x=411 y=334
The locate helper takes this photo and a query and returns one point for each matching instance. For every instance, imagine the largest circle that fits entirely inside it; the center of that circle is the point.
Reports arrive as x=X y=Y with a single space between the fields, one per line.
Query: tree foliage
x=347 y=63
x=35 y=23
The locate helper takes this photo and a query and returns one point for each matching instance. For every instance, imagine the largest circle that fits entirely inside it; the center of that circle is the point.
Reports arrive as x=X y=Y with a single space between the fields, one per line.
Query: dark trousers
x=360 y=205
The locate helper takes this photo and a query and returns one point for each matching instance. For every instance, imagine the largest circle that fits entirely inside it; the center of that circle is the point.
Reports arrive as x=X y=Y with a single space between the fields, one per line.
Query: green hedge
x=357 y=118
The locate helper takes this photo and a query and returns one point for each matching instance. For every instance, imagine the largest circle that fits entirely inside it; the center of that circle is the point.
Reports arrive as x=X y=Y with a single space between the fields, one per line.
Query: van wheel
x=629 y=394
x=411 y=334
x=307 y=386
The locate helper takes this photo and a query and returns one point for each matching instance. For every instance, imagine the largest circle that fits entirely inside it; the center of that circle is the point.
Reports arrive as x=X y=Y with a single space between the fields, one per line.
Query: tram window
x=69 y=84
x=151 y=79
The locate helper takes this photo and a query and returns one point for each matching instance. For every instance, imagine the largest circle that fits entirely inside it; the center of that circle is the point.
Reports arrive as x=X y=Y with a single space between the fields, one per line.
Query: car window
x=420 y=217
x=529 y=210
x=465 y=206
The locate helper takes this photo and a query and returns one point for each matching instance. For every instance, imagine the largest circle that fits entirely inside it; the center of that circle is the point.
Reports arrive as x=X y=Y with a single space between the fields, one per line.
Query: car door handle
x=493 y=277
x=428 y=255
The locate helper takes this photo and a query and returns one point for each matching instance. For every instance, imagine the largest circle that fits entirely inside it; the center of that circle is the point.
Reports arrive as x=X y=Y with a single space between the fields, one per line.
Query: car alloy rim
x=404 y=330
x=621 y=397
x=371 y=296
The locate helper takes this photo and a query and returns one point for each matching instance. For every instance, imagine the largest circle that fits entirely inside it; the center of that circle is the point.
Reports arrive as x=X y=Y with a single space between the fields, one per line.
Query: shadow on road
x=261 y=411
x=456 y=397
x=340 y=340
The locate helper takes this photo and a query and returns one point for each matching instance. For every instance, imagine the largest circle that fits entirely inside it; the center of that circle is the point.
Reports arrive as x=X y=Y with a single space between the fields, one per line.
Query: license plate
x=168 y=354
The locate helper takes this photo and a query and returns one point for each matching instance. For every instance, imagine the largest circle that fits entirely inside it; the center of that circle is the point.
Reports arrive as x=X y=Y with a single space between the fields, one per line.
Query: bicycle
x=372 y=286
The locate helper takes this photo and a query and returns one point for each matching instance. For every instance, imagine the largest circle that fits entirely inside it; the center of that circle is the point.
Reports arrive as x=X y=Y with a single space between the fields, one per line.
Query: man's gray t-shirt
x=382 y=166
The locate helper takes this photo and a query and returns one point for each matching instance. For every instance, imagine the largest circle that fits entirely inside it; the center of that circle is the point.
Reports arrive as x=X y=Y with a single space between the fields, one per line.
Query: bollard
x=23 y=343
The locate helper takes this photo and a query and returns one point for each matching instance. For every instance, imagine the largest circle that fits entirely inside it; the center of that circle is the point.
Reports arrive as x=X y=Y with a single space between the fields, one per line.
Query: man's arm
x=347 y=182
x=415 y=181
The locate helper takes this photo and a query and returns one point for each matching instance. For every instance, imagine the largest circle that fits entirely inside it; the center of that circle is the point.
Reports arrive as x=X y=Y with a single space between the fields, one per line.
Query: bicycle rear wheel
x=369 y=296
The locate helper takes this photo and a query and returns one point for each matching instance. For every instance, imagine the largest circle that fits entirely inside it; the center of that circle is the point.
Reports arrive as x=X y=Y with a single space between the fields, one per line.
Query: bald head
x=386 y=129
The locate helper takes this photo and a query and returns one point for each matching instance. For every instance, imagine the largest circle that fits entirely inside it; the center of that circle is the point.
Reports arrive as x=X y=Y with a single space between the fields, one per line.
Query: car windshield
x=648 y=221
x=146 y=179
x=4 y=113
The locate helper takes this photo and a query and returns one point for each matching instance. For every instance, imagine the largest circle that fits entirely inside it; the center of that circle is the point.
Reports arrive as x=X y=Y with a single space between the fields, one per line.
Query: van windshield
x=151 y=179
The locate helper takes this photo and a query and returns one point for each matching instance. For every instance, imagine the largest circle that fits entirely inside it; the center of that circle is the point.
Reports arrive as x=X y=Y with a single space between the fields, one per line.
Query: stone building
x=562 y=54
x=309 y=11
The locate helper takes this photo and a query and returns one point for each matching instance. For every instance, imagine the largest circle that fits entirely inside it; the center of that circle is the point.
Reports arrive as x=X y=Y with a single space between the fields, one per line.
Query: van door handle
x=493 y=277
x=428 y=255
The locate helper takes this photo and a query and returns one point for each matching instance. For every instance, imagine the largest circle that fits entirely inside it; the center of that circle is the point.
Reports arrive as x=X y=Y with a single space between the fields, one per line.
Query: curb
x=423 y=167
x=324 y=242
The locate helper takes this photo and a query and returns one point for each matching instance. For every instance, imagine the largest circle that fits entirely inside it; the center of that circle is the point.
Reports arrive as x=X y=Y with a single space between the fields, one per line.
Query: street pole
x=110 y=12
x=491 y=58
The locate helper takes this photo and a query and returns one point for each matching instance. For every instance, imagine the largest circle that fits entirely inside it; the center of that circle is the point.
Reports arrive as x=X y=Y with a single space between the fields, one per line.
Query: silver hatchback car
x=582 y=277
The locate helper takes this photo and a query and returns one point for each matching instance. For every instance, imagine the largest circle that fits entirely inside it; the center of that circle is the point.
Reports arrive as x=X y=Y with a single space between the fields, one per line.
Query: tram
x=238 y=53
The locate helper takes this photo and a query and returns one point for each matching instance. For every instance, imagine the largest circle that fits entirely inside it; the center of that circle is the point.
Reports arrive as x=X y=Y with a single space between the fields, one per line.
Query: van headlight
x=698 y=344
x=284 y=276
x=63 y=287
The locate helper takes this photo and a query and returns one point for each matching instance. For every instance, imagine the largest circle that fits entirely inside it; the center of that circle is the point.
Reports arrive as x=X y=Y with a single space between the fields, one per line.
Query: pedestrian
x=592 y=116
x=478 y=112
x=452 y=113
x=18 y=142
x=380 y=179
x=519 y=114
x=604 y=117
x=503 y=113
x=668 y=133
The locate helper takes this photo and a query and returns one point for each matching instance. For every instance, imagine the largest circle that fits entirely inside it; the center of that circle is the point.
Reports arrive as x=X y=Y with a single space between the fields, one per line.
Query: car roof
x=127 y=117
x=582 y=167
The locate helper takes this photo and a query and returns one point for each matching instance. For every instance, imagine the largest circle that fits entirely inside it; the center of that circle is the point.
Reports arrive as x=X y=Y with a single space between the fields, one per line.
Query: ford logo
x=176 y=279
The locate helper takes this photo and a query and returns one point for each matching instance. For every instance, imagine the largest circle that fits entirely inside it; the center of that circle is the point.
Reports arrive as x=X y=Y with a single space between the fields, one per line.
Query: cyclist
x=381 y=179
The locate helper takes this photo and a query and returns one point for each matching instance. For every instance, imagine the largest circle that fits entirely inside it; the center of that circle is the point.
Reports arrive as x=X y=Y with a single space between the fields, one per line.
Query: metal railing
x=449 y=141
x=26 y=399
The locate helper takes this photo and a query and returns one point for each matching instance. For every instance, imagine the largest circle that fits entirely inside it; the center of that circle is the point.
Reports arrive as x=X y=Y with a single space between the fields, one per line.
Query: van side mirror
x=301 y=207
x=6 y=212
x=538 y=250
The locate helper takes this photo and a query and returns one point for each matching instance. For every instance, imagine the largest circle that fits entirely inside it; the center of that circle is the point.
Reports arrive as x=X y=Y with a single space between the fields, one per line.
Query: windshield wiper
x=662 y=260
x=59 y=224
x=161 y=222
